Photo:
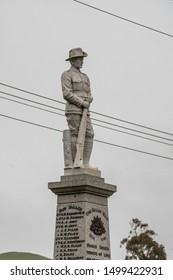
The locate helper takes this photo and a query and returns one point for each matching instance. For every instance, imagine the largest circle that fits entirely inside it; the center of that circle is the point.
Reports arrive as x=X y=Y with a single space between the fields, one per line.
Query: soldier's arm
x=68 y=92
x=90 y=97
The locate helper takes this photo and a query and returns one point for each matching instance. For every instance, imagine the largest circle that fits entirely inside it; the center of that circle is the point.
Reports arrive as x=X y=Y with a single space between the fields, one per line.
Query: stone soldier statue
x=76 y=91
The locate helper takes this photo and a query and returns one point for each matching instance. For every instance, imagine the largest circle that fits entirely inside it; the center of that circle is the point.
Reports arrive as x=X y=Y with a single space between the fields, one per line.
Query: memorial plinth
x=82 y=221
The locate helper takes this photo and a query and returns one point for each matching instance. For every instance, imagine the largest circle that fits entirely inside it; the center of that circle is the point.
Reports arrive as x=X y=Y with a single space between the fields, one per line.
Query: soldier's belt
x=81 y=94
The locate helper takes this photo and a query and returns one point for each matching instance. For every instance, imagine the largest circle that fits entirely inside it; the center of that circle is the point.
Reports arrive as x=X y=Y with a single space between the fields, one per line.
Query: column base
x=82 y=221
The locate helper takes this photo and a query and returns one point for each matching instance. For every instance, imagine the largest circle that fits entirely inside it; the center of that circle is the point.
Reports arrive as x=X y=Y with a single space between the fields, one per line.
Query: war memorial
x=82 y=219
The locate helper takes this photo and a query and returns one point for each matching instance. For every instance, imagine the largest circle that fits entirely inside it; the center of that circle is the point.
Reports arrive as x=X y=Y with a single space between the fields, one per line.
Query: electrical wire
x=26 y=99
x=126 y=128
x=100 y=114
x=96 y=140
x=125 y=19
x=132 y=123
x=32 y=93
x=32 y=106
x=131 y=149
x=31 y=123
x=106 y=127
x=131 y=134
x=131 y=129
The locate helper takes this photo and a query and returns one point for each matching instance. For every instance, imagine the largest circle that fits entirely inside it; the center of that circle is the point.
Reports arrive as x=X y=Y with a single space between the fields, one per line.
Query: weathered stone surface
x=77 y=171
x=82 y=183
x=68 y=161
x=82 y=223
x=76 y=91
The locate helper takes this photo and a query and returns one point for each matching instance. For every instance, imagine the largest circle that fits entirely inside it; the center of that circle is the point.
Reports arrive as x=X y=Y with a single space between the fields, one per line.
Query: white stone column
x=82 y=220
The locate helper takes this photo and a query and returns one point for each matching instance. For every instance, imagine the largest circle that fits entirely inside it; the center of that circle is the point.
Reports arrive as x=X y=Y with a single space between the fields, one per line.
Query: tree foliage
x=140 y=244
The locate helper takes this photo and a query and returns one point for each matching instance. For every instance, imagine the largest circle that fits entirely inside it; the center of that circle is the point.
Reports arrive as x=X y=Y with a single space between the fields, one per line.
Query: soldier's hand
x=85 y=104
x=89 y=99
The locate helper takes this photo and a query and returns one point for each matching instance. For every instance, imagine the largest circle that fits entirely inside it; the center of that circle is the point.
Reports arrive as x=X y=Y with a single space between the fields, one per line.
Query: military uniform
x=76 y=89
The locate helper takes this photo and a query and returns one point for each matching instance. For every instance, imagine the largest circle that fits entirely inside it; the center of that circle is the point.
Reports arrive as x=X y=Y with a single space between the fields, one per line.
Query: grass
x=21 y=256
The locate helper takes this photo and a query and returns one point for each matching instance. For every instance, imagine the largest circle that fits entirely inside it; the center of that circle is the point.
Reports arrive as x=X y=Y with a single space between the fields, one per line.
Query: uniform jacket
x=76 y=89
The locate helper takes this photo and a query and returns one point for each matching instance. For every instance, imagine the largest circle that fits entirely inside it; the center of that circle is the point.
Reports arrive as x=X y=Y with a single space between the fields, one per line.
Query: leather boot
x=73 y=147
x=87 y=152
x=68 y=162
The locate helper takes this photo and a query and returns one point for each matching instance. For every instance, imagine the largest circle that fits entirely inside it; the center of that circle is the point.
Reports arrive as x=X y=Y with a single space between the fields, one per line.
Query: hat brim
x=75 y=56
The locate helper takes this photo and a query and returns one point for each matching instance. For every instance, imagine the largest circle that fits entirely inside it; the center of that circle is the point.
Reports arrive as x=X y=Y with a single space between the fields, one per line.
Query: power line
x=52 y=107
x=32 y=106
x=95 y=124
x=134 y=150
x=32 y=93
x=131 y=129
x=146 y=138
x=96 y=140
x=31 y=123
x=132 y=123
x=26 y=99
x=100 y=114
x=125 y=19
x=106 y=127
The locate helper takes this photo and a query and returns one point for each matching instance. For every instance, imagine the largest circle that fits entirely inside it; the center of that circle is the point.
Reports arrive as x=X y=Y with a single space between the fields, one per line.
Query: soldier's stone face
x=77 y=62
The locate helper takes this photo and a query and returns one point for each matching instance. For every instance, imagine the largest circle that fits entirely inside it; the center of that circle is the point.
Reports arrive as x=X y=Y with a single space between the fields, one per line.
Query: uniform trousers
x=74 y=121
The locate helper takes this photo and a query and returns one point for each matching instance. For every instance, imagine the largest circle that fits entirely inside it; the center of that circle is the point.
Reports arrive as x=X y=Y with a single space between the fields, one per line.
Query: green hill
x=21 y=256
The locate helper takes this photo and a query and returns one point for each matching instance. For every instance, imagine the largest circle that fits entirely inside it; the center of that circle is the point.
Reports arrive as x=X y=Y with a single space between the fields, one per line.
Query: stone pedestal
x=82 y=222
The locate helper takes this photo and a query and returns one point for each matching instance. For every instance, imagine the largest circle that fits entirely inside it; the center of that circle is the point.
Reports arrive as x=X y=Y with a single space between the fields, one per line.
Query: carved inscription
x=71 y=240
x=100 y=252
x=97 y=245
x=67 y=239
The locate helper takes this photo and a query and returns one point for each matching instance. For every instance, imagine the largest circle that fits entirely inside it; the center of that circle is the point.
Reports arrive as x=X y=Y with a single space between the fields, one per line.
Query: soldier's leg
x=68 y=162
x=73 y=123
x=88 y=143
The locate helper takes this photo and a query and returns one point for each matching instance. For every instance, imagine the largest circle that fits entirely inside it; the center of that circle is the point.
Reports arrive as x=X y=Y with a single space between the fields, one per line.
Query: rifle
x=81 y=139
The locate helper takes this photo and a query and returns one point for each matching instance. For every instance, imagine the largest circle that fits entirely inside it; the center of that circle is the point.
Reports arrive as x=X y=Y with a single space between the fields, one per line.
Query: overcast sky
x=130 y=70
